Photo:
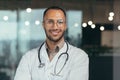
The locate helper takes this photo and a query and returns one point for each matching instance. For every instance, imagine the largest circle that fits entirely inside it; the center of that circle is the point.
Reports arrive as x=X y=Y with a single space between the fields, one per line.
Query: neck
x=52 y=45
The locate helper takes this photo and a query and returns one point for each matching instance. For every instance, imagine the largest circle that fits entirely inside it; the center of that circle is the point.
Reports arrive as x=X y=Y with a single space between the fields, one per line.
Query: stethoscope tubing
x=43 y=64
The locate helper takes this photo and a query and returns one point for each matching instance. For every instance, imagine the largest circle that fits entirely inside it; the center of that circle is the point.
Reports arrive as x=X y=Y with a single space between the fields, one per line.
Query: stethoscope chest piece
x=41 y=65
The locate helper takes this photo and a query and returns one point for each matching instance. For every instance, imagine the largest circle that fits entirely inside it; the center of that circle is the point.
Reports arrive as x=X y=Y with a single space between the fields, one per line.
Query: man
x=55 y=59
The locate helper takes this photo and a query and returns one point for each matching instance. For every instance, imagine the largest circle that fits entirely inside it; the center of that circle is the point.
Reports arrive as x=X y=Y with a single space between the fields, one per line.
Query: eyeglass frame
x=51 y=22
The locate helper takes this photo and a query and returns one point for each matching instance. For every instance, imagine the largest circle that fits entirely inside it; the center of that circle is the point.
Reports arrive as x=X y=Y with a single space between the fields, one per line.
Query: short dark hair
x=55 y=8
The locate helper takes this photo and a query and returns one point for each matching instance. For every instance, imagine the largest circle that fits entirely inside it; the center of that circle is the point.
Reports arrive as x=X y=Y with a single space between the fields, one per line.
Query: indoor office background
x=93 y=25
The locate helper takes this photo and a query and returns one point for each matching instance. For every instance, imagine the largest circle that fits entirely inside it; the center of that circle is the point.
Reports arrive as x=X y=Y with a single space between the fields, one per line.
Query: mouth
x=55 y=33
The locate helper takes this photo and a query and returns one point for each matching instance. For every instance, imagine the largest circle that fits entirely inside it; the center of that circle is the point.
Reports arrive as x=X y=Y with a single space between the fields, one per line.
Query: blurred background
x=93 y=25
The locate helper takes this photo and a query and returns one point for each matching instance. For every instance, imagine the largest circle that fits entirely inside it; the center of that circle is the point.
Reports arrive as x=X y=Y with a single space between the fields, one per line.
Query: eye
x=50 y=21
x=60 y=21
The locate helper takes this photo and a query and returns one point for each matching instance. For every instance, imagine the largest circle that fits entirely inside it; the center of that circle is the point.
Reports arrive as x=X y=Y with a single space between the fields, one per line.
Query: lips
x=55 y=33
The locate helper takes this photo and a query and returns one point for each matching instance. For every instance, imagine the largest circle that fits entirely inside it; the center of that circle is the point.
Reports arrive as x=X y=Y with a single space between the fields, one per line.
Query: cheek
x=46 y=30
x=65 y=27
x=45 y=27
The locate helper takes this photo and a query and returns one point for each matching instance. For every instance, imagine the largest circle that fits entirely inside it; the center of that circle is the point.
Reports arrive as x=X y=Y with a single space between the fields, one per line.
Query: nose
x=55 y=25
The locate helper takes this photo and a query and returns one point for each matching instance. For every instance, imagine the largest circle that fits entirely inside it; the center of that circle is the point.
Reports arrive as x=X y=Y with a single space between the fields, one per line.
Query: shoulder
x=77 y=53
x=31 y=54
x=29 y=57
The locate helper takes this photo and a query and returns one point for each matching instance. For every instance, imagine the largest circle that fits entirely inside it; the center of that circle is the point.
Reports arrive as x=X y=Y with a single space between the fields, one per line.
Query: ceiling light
x=93 y=26
x=76 y=24
x=119 y=27
x=90 y=22
x=37 y=22
x=84 y=24
x=28 y=10
x=102 y=28
x=5 y=18
x=27 y=23
x=110 y=18
x=111 y=14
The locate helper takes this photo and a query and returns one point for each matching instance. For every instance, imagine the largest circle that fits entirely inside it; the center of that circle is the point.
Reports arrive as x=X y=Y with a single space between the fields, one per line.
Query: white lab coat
x=76 y=68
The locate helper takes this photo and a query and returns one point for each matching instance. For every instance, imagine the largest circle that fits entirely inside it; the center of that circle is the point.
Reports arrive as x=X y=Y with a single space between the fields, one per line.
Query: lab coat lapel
x=62 y=50
x=43 y=53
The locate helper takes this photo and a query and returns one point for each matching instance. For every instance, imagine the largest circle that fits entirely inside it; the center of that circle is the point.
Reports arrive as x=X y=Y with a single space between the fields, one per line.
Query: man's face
x=54 y=24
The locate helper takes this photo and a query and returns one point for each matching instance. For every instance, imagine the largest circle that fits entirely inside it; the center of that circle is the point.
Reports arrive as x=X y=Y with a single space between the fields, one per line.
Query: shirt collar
x=57 y=48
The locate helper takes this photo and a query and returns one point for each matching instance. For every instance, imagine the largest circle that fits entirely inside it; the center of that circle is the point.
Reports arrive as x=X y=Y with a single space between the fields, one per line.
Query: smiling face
x=54 y=23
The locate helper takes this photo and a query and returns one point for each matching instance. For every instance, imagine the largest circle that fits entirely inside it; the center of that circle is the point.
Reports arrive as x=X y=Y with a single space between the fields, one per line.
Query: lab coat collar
x=44 y=55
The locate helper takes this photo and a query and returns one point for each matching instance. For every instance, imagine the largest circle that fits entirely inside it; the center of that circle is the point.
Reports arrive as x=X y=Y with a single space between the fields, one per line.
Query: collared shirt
x=57 y=48
x=76 y=67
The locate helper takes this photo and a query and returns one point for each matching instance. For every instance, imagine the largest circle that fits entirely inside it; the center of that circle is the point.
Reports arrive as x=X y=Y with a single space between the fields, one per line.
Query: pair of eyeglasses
x=51 y=22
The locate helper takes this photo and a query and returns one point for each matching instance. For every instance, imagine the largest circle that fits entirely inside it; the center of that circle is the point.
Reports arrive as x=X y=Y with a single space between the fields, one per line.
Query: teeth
x=54 y=33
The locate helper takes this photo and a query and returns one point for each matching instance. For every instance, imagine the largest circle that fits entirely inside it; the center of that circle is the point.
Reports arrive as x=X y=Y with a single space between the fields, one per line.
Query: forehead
x=54 y=13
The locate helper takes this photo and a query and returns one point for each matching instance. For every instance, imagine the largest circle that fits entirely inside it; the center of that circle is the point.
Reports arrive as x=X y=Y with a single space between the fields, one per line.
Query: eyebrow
x=53 y=19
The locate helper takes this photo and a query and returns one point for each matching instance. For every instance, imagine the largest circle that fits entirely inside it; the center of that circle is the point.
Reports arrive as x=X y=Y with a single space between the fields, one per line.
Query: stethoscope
x=41 y=65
